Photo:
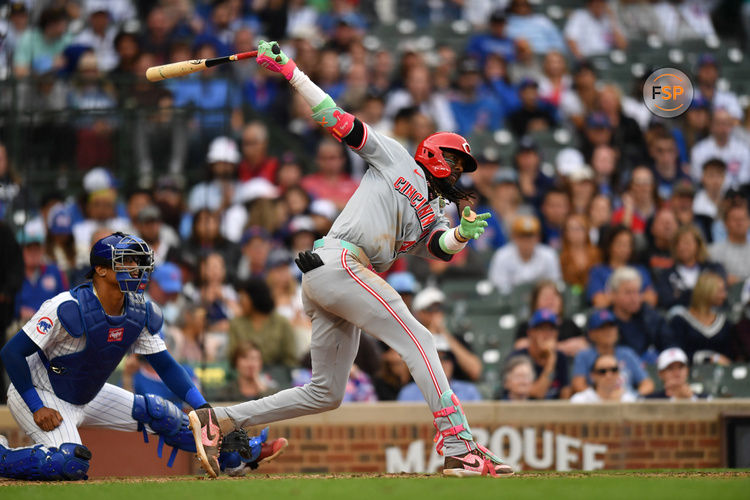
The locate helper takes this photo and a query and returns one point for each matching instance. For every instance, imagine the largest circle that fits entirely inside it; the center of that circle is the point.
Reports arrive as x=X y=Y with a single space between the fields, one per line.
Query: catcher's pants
x=111 y=408
x=342 y=297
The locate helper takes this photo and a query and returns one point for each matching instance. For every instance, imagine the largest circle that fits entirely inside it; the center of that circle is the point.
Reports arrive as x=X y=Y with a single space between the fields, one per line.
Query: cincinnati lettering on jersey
x=421 y=205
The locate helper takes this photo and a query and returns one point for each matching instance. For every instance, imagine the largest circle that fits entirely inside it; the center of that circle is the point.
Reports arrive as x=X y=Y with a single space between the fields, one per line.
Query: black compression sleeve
x=434 y=247
x=355 y=137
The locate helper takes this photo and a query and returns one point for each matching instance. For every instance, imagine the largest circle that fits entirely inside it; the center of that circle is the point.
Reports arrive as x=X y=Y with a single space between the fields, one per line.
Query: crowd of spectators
x=227 y=177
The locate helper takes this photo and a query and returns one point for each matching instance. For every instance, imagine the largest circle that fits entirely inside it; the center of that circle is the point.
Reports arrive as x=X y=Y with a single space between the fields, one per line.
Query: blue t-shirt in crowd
x=466 y=391
x=562 y=376
x=631 y=367
x=485 y=44
x=484 y=112
x=506 y=93
x=42 y=287
x=599 y=275
x=494 y=234
x=211 y=97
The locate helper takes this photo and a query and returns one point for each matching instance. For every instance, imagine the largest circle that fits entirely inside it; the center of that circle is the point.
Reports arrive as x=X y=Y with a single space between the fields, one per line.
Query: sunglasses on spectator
x=610 y=369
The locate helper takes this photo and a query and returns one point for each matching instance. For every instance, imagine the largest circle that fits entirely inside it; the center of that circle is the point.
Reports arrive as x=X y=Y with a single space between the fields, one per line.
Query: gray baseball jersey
x=389 y=214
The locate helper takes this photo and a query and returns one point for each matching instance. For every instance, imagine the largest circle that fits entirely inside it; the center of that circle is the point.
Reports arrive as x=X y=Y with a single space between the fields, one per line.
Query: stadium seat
x=735 y=381
x=707 y=378
x=483 y=327
x=491 y=331
x=460 y=288
x=518 y=299
x=493 y=303
x=280 y=374
x=574 y=301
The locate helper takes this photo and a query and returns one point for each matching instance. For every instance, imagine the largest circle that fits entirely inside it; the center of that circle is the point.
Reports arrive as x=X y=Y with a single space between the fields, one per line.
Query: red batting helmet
x=430 y=153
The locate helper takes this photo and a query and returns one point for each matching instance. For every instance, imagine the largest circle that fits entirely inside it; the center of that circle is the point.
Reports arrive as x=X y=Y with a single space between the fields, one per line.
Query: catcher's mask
x=129 y=256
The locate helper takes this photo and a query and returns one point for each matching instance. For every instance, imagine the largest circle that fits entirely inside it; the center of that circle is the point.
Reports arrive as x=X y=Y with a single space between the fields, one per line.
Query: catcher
x=60 y=361
x=397 y=209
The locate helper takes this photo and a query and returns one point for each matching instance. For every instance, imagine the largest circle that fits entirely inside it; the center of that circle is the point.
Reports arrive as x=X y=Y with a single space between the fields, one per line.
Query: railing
x=128 y=126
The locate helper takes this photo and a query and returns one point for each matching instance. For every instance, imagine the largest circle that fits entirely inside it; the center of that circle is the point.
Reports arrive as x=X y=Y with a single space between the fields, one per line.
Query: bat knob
x=275 y=49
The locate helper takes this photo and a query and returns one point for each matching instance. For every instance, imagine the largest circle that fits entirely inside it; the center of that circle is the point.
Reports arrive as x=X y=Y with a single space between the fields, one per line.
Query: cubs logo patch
x=115 y=334
x=44 y=325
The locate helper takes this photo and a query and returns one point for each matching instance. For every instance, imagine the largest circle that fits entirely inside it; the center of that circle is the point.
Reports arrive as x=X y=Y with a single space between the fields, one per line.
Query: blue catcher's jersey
x=81 y=345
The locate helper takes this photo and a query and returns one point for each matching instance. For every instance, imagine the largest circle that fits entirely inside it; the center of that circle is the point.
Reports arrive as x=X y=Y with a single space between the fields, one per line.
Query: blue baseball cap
x=598 y=120
x=541 y=317
x=278 y=258
x=700 y=102
x=60 y=221
x=403 y=282
x=527 y=82
x=254 y=232
x=601 y=318
x=168 y=276
x=705 y=59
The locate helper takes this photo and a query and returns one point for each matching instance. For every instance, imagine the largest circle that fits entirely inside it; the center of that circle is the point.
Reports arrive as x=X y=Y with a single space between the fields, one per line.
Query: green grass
x=710 y=485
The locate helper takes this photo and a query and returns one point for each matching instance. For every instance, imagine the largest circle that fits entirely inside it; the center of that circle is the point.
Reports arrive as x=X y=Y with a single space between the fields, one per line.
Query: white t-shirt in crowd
x=593 y=36
x=590 y=396
x=735 y=153
x=508 y=269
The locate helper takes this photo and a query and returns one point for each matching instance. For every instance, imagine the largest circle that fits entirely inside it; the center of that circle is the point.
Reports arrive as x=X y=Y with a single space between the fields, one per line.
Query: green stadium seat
x=460 y=288
x=653 y=374
x=735 y=381
x=518 y=299
x=706 y=378
x=482 y=328
x=574 y=301
x=494 y=303
x=696 y=46
x=280 y=374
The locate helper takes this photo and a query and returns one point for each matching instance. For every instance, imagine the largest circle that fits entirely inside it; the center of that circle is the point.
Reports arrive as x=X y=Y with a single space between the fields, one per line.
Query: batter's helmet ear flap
x=430 y=153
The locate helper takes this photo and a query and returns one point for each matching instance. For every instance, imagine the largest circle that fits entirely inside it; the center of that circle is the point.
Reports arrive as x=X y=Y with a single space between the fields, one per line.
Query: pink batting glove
x=271 y=57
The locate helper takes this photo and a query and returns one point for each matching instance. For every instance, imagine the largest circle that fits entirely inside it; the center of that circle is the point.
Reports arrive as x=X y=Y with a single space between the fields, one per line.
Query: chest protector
x=77 y=378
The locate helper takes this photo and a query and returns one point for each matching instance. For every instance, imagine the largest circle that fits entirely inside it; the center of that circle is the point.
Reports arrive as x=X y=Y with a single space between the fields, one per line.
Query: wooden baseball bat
x=182 y=68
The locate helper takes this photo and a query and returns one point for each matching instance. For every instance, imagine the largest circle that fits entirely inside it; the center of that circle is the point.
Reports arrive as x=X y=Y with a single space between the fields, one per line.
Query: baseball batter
x=60 y=361
x=397 y=209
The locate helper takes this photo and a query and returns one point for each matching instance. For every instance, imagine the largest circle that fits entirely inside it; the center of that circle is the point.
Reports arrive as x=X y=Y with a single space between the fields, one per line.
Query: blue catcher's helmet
x=129 y=256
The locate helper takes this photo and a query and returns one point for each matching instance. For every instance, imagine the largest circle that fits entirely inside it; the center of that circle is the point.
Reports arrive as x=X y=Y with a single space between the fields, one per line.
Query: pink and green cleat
x=477 y=462
x=208 y=433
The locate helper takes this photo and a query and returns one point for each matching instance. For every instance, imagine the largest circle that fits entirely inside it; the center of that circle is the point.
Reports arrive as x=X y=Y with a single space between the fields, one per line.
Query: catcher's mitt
x=237 y=441
x=238 y=451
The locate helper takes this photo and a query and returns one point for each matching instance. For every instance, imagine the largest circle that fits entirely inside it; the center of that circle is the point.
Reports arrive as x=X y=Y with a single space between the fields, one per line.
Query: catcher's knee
x=69 y=462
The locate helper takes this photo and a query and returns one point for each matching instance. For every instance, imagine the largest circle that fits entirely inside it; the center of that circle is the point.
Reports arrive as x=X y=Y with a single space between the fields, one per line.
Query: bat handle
x=244 y=55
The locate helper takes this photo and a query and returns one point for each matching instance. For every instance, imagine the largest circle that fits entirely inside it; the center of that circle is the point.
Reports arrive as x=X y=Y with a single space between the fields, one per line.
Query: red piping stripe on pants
x=393 y=313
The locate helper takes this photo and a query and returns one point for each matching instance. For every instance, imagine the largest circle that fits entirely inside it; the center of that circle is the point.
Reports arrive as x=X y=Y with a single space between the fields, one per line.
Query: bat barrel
x=182 y=68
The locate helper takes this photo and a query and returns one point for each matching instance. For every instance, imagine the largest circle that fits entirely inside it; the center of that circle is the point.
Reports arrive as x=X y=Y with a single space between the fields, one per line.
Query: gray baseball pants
x=343 y=297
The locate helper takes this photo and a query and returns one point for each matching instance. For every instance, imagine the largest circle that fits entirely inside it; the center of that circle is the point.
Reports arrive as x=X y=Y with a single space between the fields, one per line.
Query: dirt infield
x=673 y=474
